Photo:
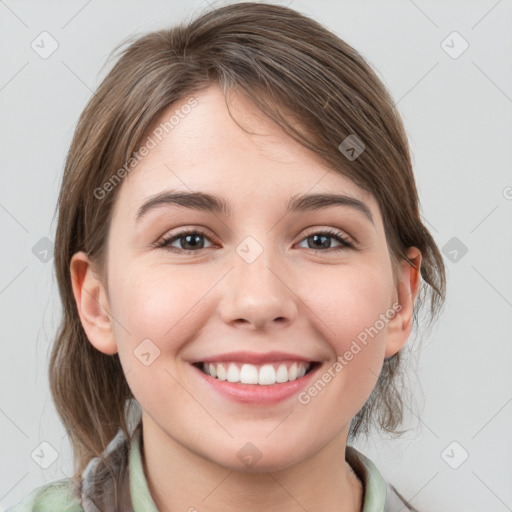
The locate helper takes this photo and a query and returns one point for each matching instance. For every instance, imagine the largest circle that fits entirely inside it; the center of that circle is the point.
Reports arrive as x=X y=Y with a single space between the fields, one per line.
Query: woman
x=241 y=259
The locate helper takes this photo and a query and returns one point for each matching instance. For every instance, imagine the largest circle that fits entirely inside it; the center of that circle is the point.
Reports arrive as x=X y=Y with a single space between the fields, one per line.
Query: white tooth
x=249 y=374
x=221 y=372
x=205 y=368
x=212 y=371
x=267 y=375
x=292 y=372
x=301 y=371
x=233 y=374
x=282 y=374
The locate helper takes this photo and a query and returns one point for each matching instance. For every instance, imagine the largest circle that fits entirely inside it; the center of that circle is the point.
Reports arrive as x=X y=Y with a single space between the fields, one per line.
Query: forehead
x=197 y=146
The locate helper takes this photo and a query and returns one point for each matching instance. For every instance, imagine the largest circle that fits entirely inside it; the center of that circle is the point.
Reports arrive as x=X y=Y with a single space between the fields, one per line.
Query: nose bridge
x=257 y=291
x=254 y=267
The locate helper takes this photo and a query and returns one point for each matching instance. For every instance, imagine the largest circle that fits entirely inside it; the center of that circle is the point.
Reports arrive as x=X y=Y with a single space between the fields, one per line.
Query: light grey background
x=457 y=112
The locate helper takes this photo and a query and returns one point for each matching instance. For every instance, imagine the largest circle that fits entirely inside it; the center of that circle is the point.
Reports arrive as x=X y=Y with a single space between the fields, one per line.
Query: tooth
x=292 y=372
x=249 y=374
x=233 y=374
x=221 y=372
x=264 y=375
x=267 y=375
x=282 y=374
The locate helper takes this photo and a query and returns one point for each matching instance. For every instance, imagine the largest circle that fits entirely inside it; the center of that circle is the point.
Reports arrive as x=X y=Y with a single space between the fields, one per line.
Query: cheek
x=161 y=309
x=162 y=303
x=350 y=300
x=170 y=303
x=354 y=307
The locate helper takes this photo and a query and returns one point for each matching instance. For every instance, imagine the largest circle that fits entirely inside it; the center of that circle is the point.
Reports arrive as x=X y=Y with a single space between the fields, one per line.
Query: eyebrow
x=212 y=203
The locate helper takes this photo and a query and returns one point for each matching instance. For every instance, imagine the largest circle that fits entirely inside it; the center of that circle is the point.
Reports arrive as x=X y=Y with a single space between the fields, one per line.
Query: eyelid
x=177 y=233
x=331 y=231
x=164 y=242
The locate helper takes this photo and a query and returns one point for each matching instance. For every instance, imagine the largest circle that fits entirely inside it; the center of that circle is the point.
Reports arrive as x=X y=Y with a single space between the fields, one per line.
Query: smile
x=256 y=377
x=263 y=374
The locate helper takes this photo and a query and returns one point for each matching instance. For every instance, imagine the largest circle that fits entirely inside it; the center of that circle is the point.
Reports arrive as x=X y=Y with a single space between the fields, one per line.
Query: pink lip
x=254 y=393
x=252 y=358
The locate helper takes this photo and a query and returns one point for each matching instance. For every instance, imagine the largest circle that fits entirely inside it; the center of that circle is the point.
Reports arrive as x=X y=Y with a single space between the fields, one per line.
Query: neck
x=179 y=479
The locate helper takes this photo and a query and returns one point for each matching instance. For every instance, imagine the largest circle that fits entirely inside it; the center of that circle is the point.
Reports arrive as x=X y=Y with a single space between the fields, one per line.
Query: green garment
x=61 y=496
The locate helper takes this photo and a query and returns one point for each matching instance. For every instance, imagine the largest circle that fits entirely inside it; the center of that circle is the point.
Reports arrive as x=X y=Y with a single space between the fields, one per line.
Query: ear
x=92 y=304
x=409 y=280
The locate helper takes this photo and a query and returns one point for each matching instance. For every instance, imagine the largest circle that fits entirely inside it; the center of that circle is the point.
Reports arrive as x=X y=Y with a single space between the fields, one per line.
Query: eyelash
x=165 y=243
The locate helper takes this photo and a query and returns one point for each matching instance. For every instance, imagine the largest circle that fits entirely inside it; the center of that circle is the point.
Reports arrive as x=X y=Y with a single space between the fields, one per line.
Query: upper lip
x=252 y=357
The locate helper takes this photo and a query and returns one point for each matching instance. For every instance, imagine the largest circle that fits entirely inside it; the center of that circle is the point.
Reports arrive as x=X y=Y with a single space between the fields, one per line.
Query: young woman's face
x=257 y=290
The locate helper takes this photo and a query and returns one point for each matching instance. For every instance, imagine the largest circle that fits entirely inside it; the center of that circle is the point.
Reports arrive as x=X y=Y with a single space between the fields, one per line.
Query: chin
x=259 y=456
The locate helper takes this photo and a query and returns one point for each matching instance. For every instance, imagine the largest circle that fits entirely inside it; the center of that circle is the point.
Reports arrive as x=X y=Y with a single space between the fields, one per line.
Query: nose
x=257 y=296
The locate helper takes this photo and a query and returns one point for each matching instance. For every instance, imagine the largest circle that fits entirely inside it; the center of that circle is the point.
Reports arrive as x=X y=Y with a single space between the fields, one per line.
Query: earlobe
x=92 y=304
x=409 y=281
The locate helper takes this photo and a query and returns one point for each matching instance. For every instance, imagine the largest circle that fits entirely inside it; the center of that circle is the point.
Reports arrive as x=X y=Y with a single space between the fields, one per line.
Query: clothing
x=64 y=496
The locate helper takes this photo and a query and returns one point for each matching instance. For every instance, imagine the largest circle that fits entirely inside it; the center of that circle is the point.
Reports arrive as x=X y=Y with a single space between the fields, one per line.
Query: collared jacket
x=95 y=490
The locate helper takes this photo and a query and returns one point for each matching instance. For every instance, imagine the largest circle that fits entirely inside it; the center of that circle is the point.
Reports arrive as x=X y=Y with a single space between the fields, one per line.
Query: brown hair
x=309 y=81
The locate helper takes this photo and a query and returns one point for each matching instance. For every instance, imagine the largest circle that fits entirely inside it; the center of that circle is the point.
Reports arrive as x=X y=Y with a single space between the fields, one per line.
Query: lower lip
x=255 y=393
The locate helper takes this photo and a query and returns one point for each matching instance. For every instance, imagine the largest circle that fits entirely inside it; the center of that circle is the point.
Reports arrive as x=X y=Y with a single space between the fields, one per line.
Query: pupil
x=324 y=242
x=192 y=241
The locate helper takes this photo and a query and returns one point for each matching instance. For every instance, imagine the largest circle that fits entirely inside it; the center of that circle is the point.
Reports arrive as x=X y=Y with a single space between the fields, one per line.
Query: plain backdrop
x=456 y=103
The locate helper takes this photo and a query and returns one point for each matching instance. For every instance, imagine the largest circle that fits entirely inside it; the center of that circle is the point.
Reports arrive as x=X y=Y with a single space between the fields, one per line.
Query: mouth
x=255 y=378
x=267 y=374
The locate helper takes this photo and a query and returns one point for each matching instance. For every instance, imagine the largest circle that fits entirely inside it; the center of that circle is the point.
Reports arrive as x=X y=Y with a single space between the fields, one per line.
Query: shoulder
x=53 y=497
x=395 y=502
x=379 y=495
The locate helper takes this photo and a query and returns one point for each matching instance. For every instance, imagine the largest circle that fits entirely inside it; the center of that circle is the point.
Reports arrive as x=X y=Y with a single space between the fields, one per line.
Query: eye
x=190 y=241
x=320 y=240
